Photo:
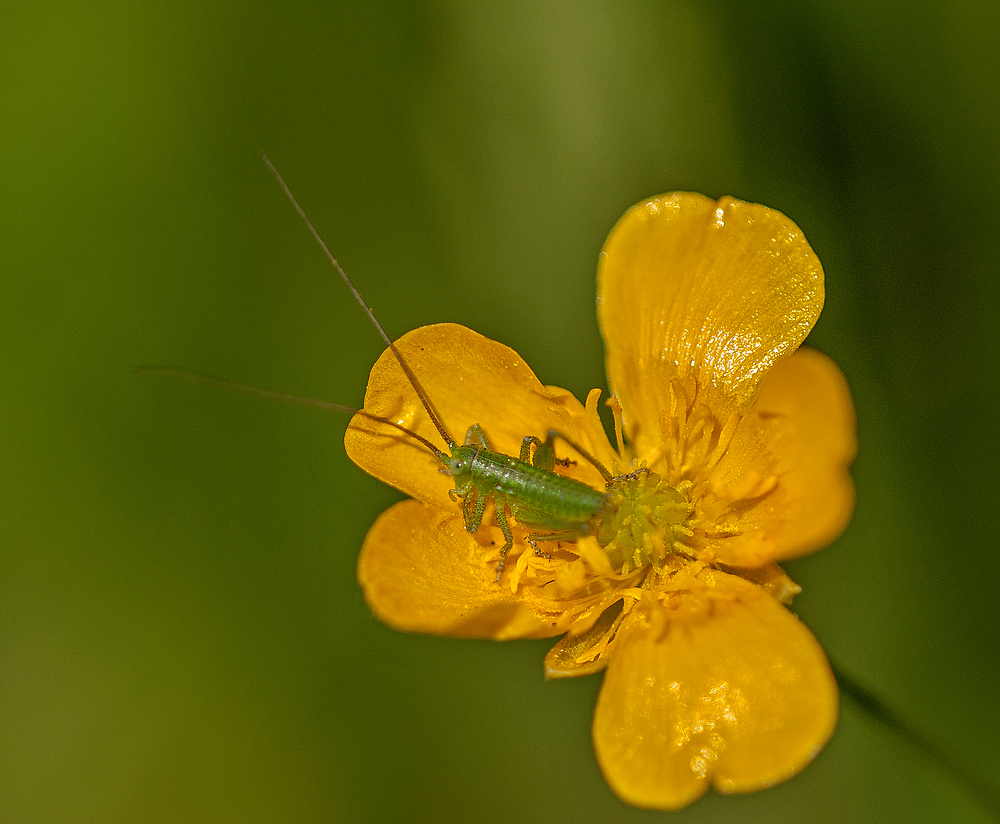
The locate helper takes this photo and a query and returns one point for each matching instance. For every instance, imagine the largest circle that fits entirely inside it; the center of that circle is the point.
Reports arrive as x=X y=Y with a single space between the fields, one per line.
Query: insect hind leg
x=533 y=540
x=553 y=434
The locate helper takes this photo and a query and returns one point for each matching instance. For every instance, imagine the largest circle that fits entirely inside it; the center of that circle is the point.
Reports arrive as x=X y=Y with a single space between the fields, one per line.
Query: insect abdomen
x=563 y=502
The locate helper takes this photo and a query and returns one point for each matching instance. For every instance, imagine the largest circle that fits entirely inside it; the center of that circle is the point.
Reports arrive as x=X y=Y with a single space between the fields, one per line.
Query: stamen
x=616 y=413
x=725 y=438
x=643 y=523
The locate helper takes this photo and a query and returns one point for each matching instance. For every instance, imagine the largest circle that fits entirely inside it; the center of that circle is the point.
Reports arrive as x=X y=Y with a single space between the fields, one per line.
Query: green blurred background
x=182 y=636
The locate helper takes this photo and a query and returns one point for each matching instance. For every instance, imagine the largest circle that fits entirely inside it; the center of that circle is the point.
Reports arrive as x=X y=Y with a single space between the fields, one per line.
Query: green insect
x=551 y=506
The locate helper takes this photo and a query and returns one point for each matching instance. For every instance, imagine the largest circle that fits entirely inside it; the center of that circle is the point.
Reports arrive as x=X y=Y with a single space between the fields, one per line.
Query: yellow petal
x=691 y=287
x=468 y=379
x=725 y=687
x=422 y=572
x=797 y=443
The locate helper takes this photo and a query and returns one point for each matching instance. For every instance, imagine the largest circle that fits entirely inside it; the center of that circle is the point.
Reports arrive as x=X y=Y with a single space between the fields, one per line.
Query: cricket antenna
x=357 y=296
x=270 y=394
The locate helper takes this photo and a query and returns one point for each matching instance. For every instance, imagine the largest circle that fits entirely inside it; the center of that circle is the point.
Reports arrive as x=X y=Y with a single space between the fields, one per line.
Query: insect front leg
x=473 y=507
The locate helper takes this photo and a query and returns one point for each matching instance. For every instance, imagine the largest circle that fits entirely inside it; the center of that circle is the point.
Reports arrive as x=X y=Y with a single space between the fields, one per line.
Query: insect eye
x=457 y=466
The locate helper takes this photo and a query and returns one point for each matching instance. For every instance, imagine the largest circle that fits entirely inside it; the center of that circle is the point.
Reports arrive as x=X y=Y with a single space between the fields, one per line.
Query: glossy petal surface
x=797 y=442
x=422 y=572
x=723 y=687
x=692 y=287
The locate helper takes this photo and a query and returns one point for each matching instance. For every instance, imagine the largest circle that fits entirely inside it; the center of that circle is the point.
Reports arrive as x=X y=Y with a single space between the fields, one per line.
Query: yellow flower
x=733 y=447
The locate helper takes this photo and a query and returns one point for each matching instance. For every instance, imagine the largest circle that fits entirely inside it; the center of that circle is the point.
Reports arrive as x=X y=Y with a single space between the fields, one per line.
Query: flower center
x=644 y=520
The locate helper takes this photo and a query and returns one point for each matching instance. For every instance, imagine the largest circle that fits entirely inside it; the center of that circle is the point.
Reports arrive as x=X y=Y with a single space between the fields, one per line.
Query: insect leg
x=544 y=458
x=553 y=434
x=476 y=437
x=533 y=543
x=473 y=507
x=501 y=516
x=545 y=453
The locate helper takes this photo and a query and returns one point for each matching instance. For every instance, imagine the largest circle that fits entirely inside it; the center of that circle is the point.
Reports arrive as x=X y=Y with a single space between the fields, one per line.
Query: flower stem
x=983 y=792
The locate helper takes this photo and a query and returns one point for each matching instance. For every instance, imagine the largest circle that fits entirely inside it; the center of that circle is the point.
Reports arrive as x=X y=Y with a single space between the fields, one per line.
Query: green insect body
x=554 y=507
x=551 y=506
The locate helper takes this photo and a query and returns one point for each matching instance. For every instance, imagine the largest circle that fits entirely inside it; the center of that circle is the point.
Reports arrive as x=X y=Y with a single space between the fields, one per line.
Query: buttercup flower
x=733 y=448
